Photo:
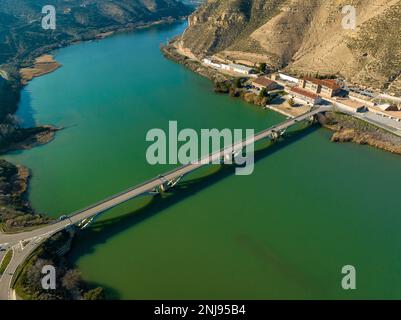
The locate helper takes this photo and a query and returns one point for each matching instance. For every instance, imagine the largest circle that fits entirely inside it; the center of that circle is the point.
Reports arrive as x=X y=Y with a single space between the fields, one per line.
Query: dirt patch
x=43 y=65
x=282 y=106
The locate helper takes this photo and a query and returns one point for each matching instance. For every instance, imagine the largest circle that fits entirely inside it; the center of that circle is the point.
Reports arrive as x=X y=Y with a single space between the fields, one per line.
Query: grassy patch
x=6 y=260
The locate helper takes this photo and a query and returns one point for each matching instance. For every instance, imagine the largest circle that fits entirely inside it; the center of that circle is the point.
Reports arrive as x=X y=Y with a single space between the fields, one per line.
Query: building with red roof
x=264 y=83
x=307 y=96
x=325 y=87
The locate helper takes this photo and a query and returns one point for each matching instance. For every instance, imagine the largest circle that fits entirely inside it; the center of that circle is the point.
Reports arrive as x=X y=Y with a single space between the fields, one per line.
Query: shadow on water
x=103 y=230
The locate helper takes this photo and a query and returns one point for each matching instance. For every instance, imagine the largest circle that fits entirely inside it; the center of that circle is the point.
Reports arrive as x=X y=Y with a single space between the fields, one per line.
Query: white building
x=288 y=78
x=225 y=67
x=351 y=105
x=232 y=67
x=240 y=68
x=211 y=63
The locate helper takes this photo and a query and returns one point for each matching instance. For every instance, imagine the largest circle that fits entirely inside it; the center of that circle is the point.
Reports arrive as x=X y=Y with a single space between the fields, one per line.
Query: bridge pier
x=229 y=158
x=165 y=186
x=87 y=222
x=275 y=135
x=313 y=119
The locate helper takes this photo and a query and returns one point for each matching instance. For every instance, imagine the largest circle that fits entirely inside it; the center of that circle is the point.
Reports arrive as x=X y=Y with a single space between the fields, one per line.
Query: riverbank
x=172 y=52
x=16 y=214
x=346 y=128
x=228 y=84
x=28 y=138
x=350 y=129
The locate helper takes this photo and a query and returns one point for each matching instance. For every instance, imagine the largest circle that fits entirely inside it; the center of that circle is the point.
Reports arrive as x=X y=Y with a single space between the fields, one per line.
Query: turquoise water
x=285 y=231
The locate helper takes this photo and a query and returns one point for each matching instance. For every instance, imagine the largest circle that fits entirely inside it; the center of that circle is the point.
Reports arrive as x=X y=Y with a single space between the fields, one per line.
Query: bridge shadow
x=103 y=230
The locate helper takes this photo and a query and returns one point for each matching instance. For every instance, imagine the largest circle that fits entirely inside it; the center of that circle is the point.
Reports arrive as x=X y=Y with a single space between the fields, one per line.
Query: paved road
x=36 y=236
x=390 y=124
x=376 y=120
x=19 y=256
x=5 y=283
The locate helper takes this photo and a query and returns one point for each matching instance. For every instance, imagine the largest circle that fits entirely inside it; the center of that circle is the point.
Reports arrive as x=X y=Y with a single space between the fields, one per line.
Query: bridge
x=24 y=243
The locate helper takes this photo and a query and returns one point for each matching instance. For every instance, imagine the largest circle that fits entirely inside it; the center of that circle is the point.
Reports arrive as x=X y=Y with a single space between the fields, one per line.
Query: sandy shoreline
x=43 y=65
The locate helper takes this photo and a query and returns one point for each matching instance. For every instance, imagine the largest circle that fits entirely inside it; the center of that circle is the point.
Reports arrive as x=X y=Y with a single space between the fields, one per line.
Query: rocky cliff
x=305 y=36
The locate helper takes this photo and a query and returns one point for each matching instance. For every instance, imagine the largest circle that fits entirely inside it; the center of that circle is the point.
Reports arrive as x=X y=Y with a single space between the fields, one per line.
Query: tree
x=268 y=99
x=263 y=93
x=262 y=67
x=94 y=294
x=238 y=83
x=222 y=87
x=291 y=102
x=34 y=274
x=71 y=280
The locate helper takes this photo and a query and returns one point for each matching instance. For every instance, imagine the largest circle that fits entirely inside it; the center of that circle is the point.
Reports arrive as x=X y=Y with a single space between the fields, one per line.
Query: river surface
x=310 y=208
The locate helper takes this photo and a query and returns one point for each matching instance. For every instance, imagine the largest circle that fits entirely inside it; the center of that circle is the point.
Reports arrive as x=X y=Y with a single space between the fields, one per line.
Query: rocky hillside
x=21 y=33
x=305 y=36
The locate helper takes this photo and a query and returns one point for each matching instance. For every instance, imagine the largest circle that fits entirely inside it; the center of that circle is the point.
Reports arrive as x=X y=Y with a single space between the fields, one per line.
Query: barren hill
x=305 y=36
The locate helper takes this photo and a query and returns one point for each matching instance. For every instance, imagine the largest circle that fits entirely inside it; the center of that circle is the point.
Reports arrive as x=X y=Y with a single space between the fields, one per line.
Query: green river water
x=285 y=231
